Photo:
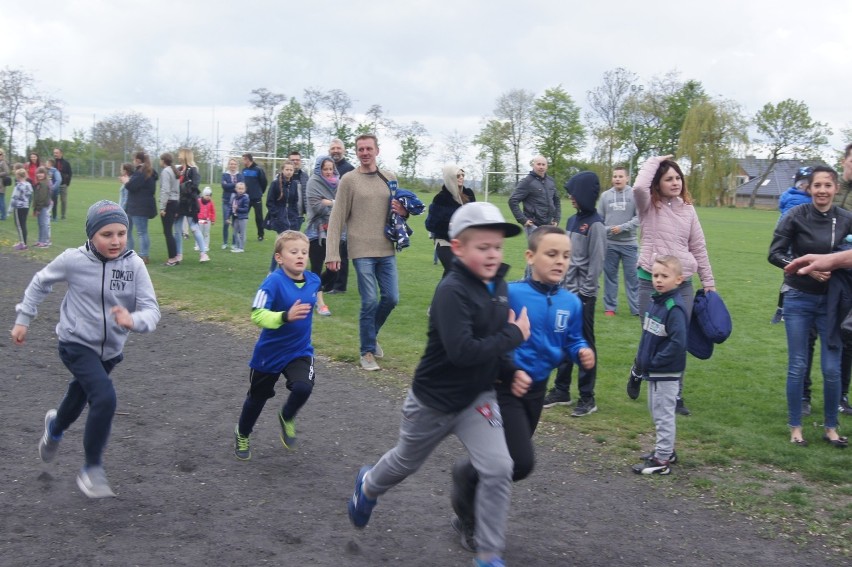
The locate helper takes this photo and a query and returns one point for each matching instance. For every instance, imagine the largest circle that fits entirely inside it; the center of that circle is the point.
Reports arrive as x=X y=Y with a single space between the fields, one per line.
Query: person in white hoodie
x=109 y=294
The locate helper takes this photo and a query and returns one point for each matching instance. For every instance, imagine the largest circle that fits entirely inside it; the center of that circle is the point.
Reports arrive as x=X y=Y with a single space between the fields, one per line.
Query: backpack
x=188 y=199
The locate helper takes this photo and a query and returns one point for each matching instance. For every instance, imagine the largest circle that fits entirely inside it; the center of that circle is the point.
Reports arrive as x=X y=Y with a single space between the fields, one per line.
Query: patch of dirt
x=183 y=499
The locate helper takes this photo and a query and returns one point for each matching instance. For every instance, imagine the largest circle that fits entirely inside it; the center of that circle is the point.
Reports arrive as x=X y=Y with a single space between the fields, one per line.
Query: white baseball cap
x=480 y=215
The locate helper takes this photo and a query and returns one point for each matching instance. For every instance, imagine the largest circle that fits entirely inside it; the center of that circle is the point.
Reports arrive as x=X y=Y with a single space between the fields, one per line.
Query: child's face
x=240 y=189
x=665 y=279
x=550 y=260
x=40 y=175
x=619 y=179
x=481 y=250
x=111 y=240
x=287 y=170
x=293 y=257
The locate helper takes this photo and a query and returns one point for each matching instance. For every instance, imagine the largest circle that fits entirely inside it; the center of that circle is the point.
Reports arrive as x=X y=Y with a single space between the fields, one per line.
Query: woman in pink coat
x=669 y=226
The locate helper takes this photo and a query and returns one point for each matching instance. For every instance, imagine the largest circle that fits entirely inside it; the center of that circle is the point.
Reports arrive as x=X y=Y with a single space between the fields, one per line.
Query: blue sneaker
x=494 y=562
x=360 y=507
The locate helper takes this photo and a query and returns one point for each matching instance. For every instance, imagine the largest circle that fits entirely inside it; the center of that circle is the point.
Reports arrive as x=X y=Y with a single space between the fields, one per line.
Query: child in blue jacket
x=556 y=335
x=661 y=360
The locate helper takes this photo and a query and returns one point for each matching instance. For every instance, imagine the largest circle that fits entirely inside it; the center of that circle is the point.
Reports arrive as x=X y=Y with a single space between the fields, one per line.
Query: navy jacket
x=441 y=210
x=662 y=348
x=286 y=211
x=255 y=179
x=469 y=342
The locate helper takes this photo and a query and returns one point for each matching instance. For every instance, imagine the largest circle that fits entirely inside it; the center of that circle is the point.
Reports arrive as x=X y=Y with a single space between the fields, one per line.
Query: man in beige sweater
x=362 y=207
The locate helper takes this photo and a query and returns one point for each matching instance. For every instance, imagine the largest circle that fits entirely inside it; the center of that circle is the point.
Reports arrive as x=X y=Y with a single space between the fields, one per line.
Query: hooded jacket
x=670 y=229
x=617 y=208
x=140 y=194
x=445 y=204
x=539 y=198
x=94 y=288
x=284 y=203
x=792 y=197
x=588 y=236
x=320 y=189
x=662 y=349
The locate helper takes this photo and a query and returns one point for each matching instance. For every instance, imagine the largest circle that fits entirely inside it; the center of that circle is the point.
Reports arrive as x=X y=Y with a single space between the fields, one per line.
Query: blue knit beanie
x=103 y=213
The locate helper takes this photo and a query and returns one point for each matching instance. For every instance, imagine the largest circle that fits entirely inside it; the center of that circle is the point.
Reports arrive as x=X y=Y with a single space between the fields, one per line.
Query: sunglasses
x=460 y=176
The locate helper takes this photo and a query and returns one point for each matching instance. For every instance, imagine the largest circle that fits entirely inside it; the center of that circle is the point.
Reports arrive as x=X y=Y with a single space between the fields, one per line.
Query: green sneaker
x=242 y=449
x=288 y=431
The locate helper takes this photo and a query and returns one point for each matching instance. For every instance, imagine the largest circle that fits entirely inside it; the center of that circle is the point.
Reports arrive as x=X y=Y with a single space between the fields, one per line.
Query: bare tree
x=261 y=132
x=514 y=108
x=339 y=103
x=17 y=91
x=44 y=111
x=312 y=101
x=455 y=147
x=119 y=134
x=608 y=103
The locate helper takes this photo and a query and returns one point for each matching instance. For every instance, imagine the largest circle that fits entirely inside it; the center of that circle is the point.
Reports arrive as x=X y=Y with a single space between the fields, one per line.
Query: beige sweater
x=362 y=206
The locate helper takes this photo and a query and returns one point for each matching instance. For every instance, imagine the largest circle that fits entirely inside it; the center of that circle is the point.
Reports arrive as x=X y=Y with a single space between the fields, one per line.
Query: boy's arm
x=675 y=345
x=452 y=316
x=147 y=311
x=38 y=289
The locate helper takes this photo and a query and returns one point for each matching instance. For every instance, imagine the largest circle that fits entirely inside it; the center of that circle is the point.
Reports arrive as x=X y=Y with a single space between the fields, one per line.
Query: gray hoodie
x=94 y=288
x=618 y=209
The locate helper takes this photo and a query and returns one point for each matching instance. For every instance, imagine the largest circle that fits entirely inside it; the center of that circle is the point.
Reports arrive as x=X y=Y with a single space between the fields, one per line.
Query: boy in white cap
x=105 y=280
x=472 y=332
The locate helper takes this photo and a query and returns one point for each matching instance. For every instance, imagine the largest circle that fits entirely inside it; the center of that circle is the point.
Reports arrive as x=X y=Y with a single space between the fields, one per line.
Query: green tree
x=493 y=147
x=294 y=130
x=787 y=129
x=556 y=129
x=413 y=139
x=714 y=133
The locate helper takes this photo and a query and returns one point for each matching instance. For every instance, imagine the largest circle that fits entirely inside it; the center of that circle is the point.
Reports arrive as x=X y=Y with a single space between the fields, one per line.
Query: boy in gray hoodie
x=105 y=282
x=618 y=211
x=588 y=248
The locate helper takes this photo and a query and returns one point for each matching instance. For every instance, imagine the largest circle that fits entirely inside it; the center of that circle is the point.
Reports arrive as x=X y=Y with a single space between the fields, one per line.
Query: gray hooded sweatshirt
x=94 y=288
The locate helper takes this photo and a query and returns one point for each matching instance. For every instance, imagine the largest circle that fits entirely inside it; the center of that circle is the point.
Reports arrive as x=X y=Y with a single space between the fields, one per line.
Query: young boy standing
x=240 y=206
x=661 y=360
x=105 y=282
x=588 y=248
x=472 y=331
x=618 y=211
x=283 y=308
x=556 y=333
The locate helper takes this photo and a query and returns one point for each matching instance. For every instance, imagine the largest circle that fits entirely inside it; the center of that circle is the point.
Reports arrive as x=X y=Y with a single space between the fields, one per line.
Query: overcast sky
x=443 y=63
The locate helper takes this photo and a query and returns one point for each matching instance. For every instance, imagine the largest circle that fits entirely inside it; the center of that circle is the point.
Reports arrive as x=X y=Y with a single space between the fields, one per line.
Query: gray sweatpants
x=480 y=429
x=662 y=399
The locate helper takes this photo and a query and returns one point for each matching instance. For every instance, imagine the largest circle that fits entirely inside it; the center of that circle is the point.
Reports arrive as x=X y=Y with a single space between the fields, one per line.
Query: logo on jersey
x=562 y=318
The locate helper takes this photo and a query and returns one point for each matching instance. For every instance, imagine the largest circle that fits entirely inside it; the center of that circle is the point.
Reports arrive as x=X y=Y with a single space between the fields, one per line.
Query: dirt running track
x=184 y=500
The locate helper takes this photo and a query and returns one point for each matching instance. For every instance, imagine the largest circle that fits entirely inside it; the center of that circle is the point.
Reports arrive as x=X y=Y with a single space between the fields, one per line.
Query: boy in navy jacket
x=661 y=360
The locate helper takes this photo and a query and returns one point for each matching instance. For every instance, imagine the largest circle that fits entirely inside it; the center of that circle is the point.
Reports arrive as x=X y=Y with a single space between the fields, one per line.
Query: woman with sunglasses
x=452 y=195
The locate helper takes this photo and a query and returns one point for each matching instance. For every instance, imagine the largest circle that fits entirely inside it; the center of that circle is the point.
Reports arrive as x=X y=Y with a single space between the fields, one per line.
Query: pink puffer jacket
x=672 y=229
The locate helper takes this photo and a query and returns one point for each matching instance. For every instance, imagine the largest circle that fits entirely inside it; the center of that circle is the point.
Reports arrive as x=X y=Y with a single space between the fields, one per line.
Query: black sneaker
x=557 y=398
x=672 y=459
x=681 y=408
x=844 y=406
x=778 y=317
x=584 y=407
x=652 y=466
x=634 y=384
x=465 y=531
x=806 y=408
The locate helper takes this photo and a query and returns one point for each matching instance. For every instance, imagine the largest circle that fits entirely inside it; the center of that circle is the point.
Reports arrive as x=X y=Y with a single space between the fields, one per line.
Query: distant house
x=750 y=170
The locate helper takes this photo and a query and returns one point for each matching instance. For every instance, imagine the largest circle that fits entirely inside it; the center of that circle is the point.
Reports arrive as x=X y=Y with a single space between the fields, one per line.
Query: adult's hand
x=520 y=383
x=398 y=208
x=808 y=263
x=333 y=266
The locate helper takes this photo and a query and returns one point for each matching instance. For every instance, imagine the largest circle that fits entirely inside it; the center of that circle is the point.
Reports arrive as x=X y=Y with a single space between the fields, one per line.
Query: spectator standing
x=618 y=211
x=535 y=202
x=5 y=181
x=141 y=204
x=453 y=194
x=340 y=283
x=255 y=180
x=230 y=179
x=65 y=171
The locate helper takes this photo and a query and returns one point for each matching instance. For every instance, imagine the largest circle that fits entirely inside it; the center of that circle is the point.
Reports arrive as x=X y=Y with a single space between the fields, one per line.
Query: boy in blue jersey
x=556 y=334
x=472 y=331
x=283 y=308
x=661 y=360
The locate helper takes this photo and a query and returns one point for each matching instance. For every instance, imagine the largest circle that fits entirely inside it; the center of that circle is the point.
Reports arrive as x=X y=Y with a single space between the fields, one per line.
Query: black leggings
x=168 y=223
x=21 y=223
x=316 y=254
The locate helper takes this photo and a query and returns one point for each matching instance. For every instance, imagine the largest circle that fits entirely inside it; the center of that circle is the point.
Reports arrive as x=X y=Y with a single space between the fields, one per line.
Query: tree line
x=625 y=120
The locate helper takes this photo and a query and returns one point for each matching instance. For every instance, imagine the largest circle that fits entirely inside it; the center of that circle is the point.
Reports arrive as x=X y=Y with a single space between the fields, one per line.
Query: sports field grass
x=735 y=445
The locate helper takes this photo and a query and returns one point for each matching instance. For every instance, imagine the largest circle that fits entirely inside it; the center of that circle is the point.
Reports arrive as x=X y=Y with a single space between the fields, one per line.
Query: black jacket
x=539 y=198
x=805 y=230
x=140 y=195
x=255 y=179
x=469 y=341
x=441 y=210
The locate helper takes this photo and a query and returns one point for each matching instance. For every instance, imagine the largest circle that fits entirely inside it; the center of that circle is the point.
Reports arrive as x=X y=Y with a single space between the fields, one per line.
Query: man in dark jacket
x=536 y=193
x=255 y=179
x=64 y=169
x=337 y=153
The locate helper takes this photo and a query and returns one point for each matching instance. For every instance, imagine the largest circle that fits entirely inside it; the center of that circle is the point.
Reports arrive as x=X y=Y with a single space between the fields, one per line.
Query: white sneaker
x=379 y=352
x=237 y=250
x=93 y=482
x=48 y=445
x=368 y=362
x=224 y=247
x=204 y=257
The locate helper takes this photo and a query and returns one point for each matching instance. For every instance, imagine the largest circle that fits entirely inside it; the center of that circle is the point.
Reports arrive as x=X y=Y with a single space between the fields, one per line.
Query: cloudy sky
x=191 y=64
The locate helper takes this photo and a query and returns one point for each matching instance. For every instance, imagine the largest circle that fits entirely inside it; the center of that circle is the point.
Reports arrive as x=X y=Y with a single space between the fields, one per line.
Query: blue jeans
x=196 y=232
x=44 y=225
x=2 y=206
x=141 y=226
x=375 y=276
x=801 y=312
x=93 y=386
x=628 y=256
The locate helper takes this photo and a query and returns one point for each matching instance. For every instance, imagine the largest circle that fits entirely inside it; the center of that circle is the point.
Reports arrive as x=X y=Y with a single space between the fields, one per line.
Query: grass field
x=735 y=445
